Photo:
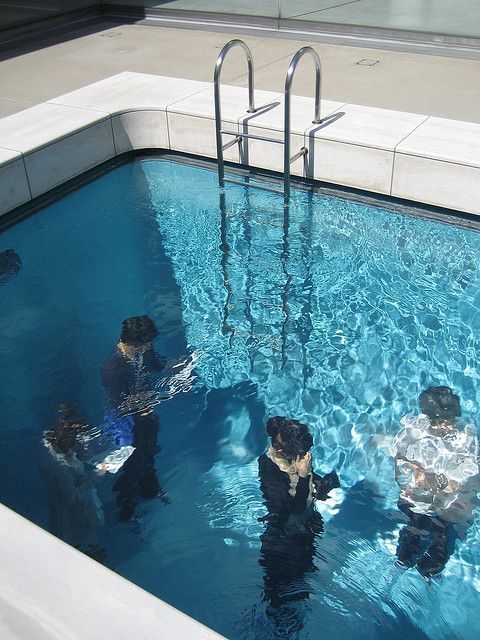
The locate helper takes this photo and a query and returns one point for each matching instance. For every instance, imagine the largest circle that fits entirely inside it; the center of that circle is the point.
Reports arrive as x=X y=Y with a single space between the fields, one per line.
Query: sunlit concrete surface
x=51 y=591
x=417 y=83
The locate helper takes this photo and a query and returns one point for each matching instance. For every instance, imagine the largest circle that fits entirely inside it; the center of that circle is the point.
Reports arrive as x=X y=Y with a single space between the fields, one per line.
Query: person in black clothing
x=126 y=377
x=289 y=486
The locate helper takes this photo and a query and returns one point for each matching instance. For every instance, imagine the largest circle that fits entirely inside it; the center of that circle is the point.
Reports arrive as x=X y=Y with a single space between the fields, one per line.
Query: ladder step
x=303 y=152
x=252 y=136
x=227 y=145
x=254 y=184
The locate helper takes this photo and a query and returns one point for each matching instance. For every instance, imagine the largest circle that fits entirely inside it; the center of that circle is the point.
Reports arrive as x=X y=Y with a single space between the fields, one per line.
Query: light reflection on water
x=340 y=316
x=339 y=319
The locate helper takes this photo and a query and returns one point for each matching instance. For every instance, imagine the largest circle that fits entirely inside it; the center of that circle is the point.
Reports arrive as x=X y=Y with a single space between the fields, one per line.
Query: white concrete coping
x=51 y=591
x=130 y=91
x=446 y=140
x=413 y=156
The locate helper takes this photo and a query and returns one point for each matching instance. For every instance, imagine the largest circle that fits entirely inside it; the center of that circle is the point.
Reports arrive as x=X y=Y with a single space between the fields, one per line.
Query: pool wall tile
x=354 y=146
x=442 y=139
x=269 y=155
x=349 y=164
x=368 y=126
x=234 y=102
x=13 y=178
x=302 y=112
x=412 y=156
x=140 y=130
x=64 y=159
x=436 y=182
x=268 y=122
x=188 y=133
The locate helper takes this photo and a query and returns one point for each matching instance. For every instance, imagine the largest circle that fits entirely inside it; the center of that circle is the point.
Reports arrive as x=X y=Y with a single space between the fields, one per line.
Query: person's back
x=436 y=466
x=76 y=514
x=129 y=391
x=434 y=456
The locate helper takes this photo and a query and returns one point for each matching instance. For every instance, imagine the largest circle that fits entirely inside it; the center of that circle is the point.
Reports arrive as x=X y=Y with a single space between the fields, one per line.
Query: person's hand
x=303 y=465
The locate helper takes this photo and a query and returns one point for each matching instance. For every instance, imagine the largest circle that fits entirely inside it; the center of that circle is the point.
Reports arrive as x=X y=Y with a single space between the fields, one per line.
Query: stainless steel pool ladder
x=237 y=137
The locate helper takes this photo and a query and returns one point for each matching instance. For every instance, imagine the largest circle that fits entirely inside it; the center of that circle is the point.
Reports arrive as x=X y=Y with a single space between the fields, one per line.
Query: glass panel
x=264 y=8
x=14 y=13
x=460 y=18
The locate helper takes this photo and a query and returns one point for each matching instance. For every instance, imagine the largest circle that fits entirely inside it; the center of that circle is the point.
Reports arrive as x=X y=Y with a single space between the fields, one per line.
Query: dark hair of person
x=439 y=403
x=10 y=265
x=63 y=437
x=138 y=330
x=290 y=438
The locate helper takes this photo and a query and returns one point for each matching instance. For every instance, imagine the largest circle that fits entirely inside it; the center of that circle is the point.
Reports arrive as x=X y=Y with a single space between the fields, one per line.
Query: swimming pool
x=338 y=315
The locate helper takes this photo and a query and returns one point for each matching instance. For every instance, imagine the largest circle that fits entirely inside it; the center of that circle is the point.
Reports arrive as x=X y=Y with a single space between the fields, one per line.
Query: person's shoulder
x=264 y=462
x=263 y=459
x=471 y=432
x=113 y=361
x=414 y=426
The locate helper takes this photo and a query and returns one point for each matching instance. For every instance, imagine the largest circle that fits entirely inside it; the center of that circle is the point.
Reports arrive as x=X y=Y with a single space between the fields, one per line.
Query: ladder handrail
x=288 y=86
x=216 y=82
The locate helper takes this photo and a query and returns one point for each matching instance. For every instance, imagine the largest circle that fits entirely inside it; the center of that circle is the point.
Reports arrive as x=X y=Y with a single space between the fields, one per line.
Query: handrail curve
x=216 y=83
x=316 y=120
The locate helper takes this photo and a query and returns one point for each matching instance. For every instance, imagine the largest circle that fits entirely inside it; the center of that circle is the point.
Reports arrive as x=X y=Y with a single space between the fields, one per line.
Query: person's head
x=138 y=331
x=64 y=436
x=290 y=438
x=439 y=404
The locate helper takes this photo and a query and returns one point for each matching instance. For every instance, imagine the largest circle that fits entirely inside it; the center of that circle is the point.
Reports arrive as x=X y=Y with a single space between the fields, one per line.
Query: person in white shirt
x=436 y=466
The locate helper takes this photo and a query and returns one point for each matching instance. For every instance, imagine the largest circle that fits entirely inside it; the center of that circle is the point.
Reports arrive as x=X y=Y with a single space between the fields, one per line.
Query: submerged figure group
x=77 y=455
x=437 y=468
x=435 y=457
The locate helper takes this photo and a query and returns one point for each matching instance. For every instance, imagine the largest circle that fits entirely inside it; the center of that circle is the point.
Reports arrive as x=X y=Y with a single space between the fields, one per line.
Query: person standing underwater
x=129 y=390
x=290 y=486
x=437 y=467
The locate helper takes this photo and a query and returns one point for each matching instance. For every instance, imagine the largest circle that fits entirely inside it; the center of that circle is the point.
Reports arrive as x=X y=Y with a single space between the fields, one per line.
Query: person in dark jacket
x=126 y=378
x=290 y=486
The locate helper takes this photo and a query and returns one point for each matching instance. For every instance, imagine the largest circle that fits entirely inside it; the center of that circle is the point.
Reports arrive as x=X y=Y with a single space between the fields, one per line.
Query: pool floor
x=333 y=312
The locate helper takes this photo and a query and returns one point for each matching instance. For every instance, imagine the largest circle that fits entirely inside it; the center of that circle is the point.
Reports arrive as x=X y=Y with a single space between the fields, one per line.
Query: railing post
x=218 y=112
x=316 y=120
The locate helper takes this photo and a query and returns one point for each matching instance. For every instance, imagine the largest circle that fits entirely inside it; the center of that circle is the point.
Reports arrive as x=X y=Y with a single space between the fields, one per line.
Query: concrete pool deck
x=444 y=86
x=406 y=155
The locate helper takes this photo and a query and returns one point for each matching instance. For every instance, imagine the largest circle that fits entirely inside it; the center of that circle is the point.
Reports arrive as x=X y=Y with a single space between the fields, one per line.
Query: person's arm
x=153 y=361
x=275 y=485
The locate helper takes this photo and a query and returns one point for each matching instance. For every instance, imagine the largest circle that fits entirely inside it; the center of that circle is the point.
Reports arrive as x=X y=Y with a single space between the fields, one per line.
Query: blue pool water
x=338 y=316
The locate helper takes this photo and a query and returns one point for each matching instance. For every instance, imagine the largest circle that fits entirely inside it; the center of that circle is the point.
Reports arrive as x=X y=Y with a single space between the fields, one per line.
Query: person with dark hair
x=76 y=514
x=10 y=265
x=126 y=377
x=290 y=486
x=436 y=467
